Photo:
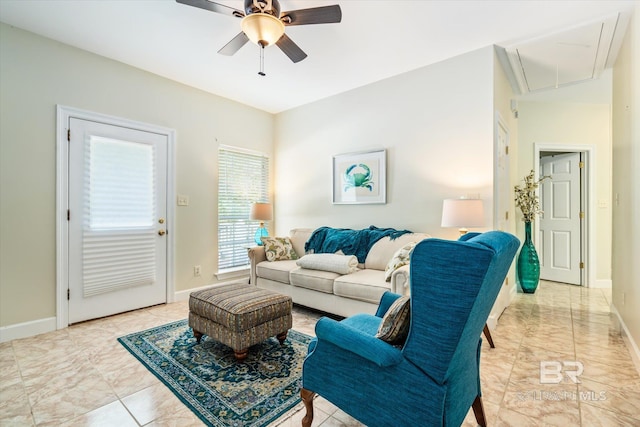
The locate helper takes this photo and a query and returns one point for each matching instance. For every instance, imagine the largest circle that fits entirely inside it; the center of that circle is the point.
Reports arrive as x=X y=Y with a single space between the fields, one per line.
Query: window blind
x=118 y=247
x=243 y=179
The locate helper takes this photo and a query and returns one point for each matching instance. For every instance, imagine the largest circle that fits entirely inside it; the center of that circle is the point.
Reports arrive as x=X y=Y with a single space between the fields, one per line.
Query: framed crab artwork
x=360 y=178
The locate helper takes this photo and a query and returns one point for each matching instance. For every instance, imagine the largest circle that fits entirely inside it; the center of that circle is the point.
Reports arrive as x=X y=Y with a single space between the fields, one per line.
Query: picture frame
x=360 y=178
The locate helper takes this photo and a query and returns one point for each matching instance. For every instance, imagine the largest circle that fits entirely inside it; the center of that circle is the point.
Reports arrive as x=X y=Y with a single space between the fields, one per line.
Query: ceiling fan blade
x=213 y=7
x=290 y=49
x=234 y=45
x=314 y=15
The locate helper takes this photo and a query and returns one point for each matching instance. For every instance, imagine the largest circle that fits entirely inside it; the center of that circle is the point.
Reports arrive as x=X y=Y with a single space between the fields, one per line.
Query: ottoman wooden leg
x=281 y=337
x=241 y=354
x=197 y=335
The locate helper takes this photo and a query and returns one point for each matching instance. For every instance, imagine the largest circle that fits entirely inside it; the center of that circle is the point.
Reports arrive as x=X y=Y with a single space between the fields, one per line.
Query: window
x=243 y=179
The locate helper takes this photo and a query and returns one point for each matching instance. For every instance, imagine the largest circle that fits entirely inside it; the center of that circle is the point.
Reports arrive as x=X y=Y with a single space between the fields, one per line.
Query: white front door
x=559 y=239
x=117 y=219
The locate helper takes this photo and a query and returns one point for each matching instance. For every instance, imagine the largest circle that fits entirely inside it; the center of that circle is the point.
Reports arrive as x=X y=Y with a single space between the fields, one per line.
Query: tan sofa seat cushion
x=363 y=285
x=317 y=280
x=277 y=271
x=384 y=249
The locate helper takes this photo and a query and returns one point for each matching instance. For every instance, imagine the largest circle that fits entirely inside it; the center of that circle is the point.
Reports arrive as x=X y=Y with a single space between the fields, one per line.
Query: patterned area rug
x=207 y=378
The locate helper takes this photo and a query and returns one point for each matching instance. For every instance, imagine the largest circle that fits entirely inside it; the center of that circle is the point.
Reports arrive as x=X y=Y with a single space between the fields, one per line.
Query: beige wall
x=38 y=73
x=436 y=124
x=626 y=182
x=570 y=124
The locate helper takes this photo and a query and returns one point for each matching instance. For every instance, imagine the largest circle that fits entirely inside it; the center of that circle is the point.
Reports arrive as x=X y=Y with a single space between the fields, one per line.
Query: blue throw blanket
x=350 y=242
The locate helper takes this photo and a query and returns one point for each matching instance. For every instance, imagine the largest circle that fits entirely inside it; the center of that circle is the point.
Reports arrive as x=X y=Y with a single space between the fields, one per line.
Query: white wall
x=436 y=124
x=38 y=73
x=574 y=124
x=626 y=184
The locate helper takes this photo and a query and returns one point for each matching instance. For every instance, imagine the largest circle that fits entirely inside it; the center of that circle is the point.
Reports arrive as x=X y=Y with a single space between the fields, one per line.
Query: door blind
x=243 y=179
x=118 y=248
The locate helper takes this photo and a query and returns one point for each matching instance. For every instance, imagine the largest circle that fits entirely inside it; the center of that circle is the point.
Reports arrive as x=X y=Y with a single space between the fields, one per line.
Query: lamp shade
x=261 y=212
x=262 y=29
x=462 y=213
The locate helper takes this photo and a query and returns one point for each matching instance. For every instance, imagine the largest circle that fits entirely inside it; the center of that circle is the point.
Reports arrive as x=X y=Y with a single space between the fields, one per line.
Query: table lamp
x=462 y=213
x=261 y=212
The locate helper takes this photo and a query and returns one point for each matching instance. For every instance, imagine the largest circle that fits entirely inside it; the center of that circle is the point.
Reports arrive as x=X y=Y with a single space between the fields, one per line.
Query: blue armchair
x=434 y=378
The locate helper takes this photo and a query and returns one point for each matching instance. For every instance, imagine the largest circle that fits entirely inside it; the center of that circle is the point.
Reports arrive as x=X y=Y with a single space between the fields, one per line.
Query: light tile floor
x=82 y=376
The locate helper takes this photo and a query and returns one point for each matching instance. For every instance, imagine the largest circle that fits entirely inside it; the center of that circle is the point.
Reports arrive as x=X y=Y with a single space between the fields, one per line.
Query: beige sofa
x=344 y=295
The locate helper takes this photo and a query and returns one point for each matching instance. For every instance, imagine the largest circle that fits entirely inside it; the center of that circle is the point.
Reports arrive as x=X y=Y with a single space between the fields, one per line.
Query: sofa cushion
x=317 y=280
x=277 y=271
x=394 y=327
x=400 y=258
x=278 y=248
x=383 y=250
x=299 y=237
x=342 y=264
x=363 y=285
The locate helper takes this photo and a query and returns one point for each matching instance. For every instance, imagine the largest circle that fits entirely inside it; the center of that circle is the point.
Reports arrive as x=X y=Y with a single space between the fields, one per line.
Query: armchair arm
x=400 y=280
x=256 y=256
x=352 y=340
x=387 y=299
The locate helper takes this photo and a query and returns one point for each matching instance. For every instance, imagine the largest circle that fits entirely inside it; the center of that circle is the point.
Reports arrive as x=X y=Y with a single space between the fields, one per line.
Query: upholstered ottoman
x=239 y=316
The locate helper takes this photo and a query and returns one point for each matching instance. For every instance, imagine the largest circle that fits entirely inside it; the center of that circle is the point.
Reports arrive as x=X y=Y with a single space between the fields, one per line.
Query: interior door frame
x=588 y=200
x=502 y=193
x=63 y=114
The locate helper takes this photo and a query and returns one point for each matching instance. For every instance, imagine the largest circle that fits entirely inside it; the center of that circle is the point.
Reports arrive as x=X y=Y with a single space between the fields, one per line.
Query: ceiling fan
x=264 y=24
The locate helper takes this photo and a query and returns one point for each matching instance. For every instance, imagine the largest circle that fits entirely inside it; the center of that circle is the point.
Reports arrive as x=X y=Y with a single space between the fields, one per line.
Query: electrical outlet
x=196 y=271
x=183 y=200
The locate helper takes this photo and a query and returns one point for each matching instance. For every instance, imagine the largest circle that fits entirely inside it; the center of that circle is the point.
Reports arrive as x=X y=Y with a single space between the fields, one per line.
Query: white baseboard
x=602 y=284
x=492 y=321
x=634 y=350
x=184 y=295
x=27 y=329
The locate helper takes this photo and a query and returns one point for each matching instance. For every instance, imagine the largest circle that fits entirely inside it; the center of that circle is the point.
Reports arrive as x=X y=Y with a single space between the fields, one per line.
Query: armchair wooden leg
x=478 y=411
x=487 y=334
x=307 y=398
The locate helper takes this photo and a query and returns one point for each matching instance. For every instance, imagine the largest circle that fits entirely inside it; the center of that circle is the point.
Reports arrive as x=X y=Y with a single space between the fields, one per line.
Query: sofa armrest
x=400 y=280
x=354 y=341
x=256 y=256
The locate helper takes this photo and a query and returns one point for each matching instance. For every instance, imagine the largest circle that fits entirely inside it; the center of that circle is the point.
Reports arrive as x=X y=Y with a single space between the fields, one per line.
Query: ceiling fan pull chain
x=262 y=62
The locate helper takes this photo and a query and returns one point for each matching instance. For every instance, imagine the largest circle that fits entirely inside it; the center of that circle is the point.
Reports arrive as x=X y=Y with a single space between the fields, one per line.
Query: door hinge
x=506 y=216
x=506 y=281
x=69 y=134
x=581 y=215
x=68 y=294
x=581 y=264
x=581 y=165
x=506 y=150
x=68 y=214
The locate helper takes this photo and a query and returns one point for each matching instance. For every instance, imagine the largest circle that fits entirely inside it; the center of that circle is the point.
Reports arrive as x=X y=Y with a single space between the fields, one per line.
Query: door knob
x=162 y=232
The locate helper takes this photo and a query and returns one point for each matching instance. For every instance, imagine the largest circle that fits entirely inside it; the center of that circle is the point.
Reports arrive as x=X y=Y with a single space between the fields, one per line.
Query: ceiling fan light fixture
x=262 y=29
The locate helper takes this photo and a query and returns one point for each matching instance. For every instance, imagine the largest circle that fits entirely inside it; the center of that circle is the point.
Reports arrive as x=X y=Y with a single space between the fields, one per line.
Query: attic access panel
x=563 y=58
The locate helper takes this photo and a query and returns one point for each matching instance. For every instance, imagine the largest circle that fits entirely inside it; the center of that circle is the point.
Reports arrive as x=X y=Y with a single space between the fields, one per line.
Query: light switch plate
x=183 y=200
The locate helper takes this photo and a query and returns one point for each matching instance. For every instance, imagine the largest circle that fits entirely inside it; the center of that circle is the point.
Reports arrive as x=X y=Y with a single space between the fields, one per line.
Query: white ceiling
x=375 y=40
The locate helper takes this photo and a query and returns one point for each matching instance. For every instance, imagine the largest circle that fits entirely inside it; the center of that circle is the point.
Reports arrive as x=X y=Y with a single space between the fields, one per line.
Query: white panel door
x=117 y=219
x=559 y=239
x=503 y=200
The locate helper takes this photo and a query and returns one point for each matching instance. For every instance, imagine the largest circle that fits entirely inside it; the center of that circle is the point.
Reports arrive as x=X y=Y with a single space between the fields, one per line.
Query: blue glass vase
x=528 y=265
